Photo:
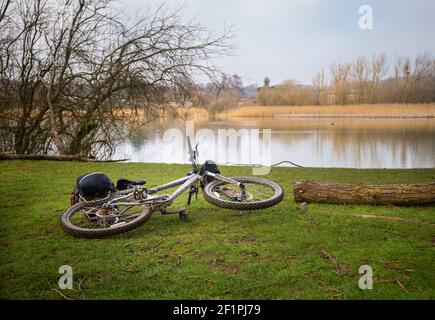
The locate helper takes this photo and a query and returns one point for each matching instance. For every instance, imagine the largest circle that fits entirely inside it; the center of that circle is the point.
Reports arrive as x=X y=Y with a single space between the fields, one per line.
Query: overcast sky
x=293 y=39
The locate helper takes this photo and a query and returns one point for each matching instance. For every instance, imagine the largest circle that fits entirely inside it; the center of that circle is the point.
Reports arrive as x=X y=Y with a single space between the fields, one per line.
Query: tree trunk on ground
x=396 y=194
x=13 y=156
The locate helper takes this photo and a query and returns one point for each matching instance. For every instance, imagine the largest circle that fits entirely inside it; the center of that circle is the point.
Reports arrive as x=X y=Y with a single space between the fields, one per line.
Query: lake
x=313 y=142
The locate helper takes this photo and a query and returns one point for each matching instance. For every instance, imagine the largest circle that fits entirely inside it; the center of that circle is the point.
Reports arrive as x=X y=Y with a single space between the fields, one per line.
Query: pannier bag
x=92 y=186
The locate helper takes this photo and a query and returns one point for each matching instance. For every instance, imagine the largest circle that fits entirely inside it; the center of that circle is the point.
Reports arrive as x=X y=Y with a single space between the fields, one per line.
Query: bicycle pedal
x=183 y=216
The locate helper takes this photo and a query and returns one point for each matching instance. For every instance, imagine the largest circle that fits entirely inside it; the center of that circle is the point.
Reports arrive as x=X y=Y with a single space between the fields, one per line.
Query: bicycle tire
x=75 y=231
x=235 y=205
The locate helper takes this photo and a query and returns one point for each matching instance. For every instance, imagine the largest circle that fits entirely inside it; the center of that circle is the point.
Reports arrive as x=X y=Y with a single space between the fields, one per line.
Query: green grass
x=276 y=253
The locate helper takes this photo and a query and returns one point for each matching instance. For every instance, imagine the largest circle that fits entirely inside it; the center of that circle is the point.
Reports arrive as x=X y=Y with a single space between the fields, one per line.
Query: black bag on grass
x=209 y=166
x=91 y=186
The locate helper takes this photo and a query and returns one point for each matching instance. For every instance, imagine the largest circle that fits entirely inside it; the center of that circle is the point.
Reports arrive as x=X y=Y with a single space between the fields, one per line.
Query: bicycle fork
x=232 y=181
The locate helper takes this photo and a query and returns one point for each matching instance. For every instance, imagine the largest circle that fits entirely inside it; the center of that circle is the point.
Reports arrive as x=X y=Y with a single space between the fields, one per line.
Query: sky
x=294 y=39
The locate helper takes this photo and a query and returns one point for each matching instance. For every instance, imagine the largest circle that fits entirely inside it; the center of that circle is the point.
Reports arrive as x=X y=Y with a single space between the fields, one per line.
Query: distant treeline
x=218 y=96
x=366 y=80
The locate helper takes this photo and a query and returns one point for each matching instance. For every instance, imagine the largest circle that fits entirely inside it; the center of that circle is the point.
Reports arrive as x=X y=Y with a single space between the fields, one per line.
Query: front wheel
x=258 y=194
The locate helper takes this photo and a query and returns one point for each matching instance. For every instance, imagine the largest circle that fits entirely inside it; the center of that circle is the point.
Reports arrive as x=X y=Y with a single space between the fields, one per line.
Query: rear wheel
x=94 y=220
x=258 y=194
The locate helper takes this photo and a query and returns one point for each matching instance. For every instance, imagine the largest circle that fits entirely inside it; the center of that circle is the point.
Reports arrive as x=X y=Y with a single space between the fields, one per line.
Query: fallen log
x=14 y=156
x=396 y=194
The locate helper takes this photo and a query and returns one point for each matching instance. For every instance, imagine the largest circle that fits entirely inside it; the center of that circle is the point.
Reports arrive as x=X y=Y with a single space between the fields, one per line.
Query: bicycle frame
x=165 y=200
x=185 y=183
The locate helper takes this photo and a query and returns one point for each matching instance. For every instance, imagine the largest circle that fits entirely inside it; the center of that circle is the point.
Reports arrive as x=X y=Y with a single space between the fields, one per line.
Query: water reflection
x=358 y=143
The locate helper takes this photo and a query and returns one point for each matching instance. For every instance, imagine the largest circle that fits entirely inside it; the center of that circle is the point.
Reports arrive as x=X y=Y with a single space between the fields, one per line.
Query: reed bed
x=181 y=112
x=361 y=110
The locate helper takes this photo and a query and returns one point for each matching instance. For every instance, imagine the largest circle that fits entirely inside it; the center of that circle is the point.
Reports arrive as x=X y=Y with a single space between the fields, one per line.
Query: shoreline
x=369 y=111
x=333 y=117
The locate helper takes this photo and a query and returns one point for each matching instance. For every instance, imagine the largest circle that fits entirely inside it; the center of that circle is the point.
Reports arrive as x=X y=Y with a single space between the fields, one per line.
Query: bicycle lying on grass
x=123 y=210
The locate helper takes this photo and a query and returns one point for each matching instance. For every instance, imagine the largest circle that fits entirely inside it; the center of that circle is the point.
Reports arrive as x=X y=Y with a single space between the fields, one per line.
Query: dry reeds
x=361 y=110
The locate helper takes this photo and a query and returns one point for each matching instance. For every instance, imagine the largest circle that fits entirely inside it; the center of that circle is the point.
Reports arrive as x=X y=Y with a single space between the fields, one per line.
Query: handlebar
x=193 y=153
x=189 y=146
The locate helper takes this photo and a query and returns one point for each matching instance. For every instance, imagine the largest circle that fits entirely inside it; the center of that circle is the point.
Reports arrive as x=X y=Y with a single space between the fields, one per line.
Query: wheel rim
x=97 y=217
x=254 y=192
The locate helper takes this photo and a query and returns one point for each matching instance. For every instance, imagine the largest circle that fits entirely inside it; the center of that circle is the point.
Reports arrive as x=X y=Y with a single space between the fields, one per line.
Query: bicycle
x=125 y=210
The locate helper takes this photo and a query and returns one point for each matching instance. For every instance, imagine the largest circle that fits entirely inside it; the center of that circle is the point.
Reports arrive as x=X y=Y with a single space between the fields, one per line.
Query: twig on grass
x=392 y=232
x=287 y=258
x=63 y=296
x=176 y=257
x=388 y=218
x=155 y=247
x=333 y=260
x=401 y=286
x=80 y=289
x=337 y=266
x=381 y=218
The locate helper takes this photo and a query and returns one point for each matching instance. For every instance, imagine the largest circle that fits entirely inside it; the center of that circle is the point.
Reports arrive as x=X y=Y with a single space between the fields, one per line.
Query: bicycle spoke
x=254 y=192
x=130 y=217
x=99 y=218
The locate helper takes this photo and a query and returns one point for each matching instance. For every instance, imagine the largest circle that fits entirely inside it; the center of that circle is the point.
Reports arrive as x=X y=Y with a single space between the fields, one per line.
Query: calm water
x=352 y=143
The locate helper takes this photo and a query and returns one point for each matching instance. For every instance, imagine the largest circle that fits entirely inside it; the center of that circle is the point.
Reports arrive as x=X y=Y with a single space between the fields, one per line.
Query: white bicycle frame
x=144 y=196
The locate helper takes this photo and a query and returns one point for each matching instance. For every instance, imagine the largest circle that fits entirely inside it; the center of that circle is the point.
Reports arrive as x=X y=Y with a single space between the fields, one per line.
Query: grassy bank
x=364 y=110
x=277 y=253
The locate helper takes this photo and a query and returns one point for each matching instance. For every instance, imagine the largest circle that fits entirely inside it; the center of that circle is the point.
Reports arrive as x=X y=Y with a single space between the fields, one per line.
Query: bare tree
x=340 y=74
x=77 y=70
x=223 y=95
x=377 y=70
x=360 y=78
x=319 y=84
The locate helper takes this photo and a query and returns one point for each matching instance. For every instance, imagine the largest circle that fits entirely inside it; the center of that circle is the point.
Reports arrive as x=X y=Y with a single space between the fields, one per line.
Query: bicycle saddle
x=123 y=184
